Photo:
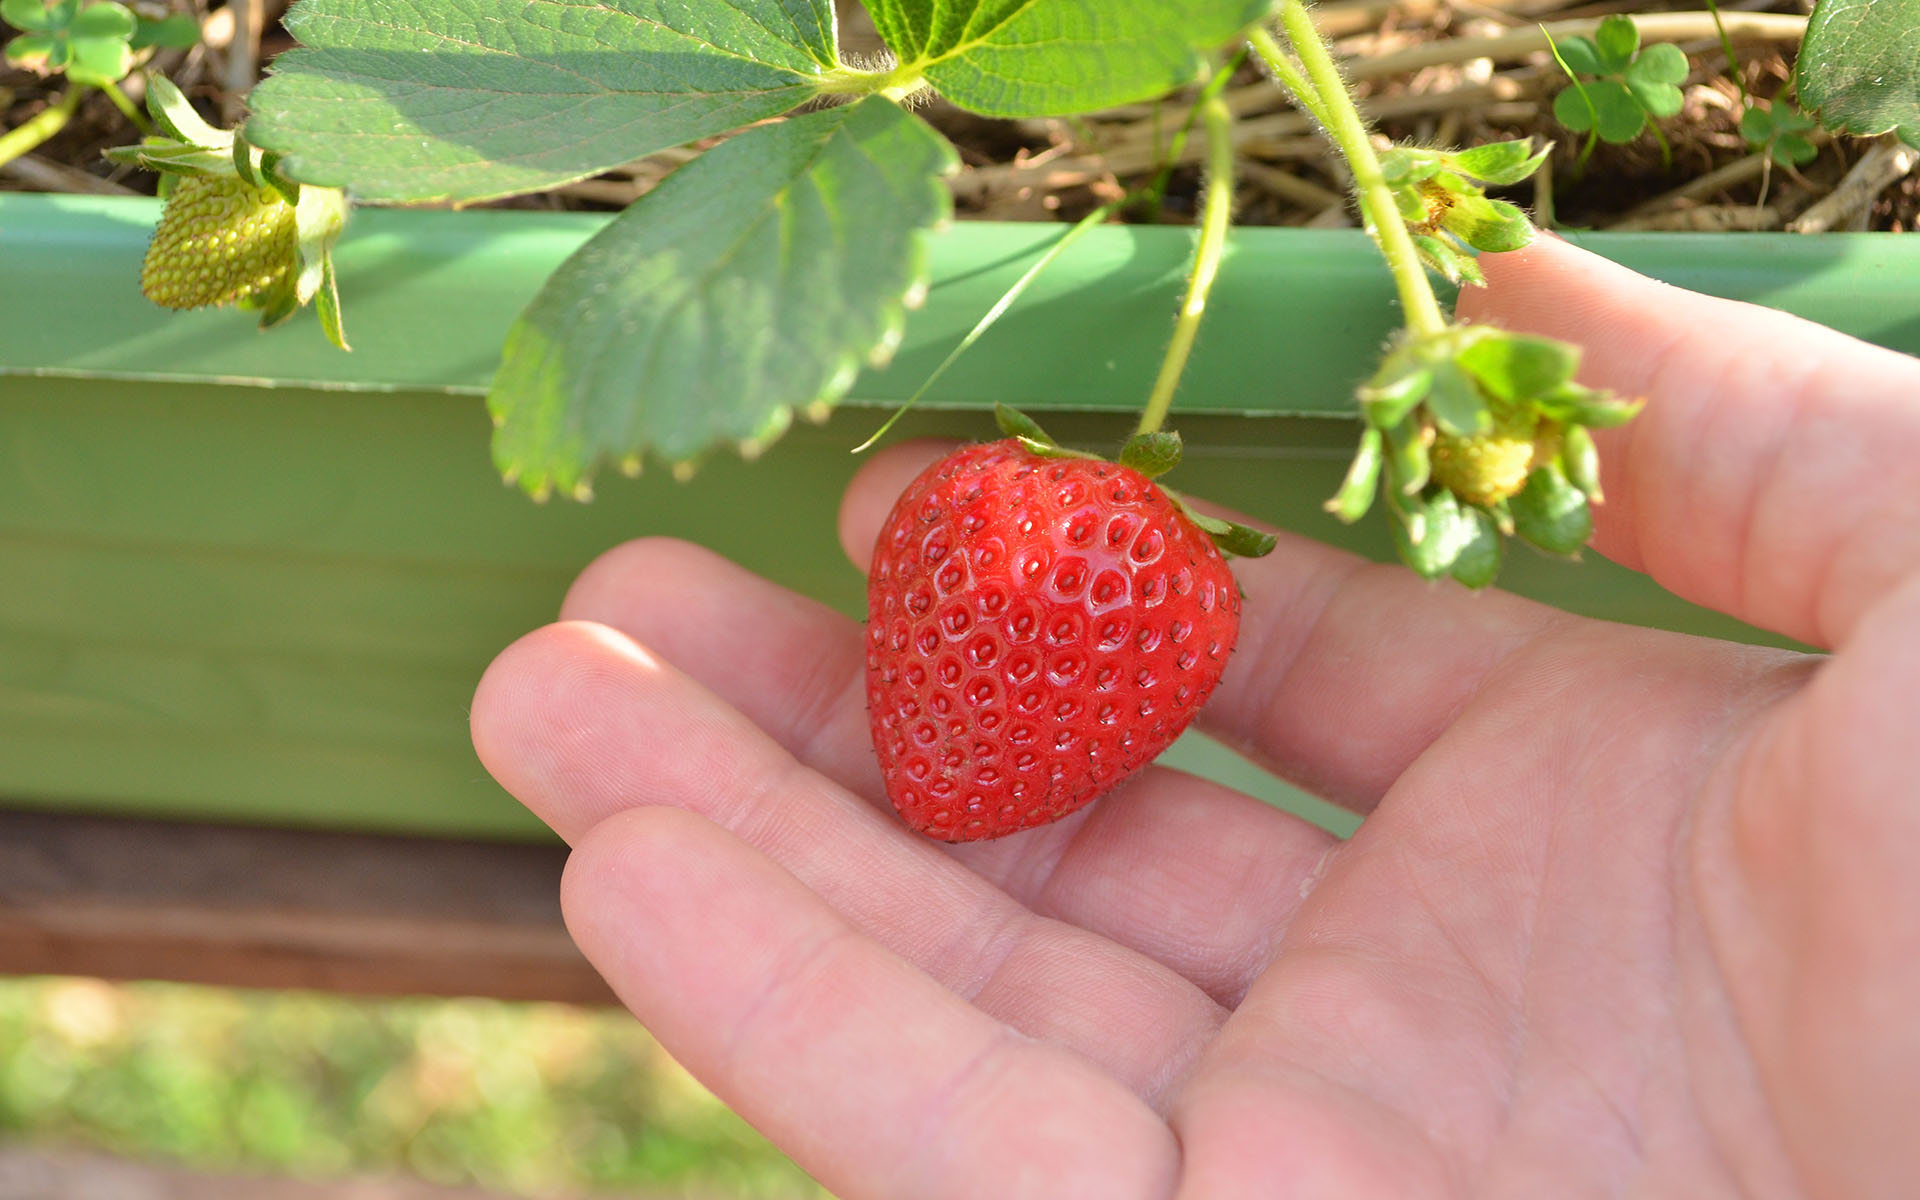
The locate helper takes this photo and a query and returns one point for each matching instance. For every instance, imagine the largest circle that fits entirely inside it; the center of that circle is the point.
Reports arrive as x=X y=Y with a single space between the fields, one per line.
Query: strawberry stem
x=1329 y=102
x=1288 y=73
x=27 y=136
x=1216 y=214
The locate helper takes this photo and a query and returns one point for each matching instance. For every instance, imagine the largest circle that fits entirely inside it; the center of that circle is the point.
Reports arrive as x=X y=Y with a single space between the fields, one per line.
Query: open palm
x=1630 y=912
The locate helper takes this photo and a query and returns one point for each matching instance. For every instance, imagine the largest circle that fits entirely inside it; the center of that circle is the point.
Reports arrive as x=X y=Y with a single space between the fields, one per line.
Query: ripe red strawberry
x=1038 y=629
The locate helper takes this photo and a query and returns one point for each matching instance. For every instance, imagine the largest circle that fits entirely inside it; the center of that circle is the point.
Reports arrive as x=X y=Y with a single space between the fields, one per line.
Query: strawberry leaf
x=1859 y=67
x=415 y=100
x=1034 y=58
x=753 y=281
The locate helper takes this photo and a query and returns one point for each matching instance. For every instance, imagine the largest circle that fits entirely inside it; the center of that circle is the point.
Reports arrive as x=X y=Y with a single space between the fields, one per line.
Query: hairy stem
x=1215 y=215
x=1349 y=134
x=1289 y=73
x=25 y=137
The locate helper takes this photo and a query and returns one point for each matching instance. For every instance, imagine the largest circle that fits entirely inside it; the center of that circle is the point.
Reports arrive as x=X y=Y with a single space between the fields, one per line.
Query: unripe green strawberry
x=1038 y=629
x=1485 y=468
x=221 y=240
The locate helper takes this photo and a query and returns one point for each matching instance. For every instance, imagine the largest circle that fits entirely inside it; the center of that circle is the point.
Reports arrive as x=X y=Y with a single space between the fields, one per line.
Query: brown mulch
x=1059 y=169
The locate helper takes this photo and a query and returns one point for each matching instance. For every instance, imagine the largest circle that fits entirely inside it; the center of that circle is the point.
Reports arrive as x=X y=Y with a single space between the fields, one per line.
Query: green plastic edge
x=1296 y=317
x=234 y=603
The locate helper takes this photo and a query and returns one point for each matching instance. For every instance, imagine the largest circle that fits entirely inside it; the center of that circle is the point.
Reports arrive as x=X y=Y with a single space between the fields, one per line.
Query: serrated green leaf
x=1552 y=513
x=1859 y=67
x=1362 y=481
x=1037 y=58
x=1477 y=564
x=1616 y=41
x=1580 y=55
x=1501 y=163
x=415 y=100
x=752 y=281
x=1517 y=367
x=1151 y=454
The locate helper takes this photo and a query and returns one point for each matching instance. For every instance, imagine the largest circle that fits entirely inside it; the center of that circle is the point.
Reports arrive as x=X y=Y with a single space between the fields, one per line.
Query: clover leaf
x=1631 y=89
x=91 y=45
x=1781 y=132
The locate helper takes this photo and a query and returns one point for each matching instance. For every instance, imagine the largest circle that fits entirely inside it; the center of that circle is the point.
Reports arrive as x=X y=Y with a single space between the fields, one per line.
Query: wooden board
x=138 y=899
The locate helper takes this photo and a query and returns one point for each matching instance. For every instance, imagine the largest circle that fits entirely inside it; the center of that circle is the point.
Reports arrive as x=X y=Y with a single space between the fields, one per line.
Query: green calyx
x=1473 y=433
x=234 y=230
x=1151 y=454
x=1442 y=196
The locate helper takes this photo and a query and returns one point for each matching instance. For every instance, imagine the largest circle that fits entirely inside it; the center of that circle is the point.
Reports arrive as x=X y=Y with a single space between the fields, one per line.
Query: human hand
x=1629 y=912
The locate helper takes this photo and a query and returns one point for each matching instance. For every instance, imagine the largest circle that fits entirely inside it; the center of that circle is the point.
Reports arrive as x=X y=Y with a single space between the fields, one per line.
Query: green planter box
x=244 y=576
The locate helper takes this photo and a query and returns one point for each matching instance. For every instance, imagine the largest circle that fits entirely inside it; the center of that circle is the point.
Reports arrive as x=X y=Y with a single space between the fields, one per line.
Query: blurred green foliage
x=528 y=1098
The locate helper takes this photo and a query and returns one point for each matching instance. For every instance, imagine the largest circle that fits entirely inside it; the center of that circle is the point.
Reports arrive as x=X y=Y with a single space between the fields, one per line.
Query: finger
x=874 y=1077
x=1196 y=876
x=581 y=724
x=1771 y=473
x=789 y=664
x=1344 y=671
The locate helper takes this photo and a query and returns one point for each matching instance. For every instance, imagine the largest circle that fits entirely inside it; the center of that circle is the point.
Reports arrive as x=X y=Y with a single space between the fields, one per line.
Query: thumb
x=1770 y=475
